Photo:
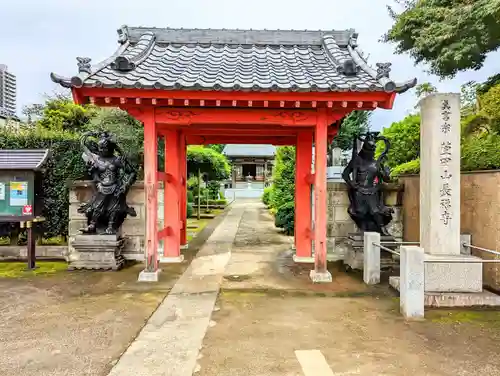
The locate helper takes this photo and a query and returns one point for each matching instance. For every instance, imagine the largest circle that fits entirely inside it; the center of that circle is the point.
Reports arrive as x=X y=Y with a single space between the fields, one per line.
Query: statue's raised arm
x=384 y=171
x=87 y=155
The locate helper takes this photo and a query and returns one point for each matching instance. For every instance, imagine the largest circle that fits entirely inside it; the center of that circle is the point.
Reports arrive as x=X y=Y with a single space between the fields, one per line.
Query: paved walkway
x=169 y=343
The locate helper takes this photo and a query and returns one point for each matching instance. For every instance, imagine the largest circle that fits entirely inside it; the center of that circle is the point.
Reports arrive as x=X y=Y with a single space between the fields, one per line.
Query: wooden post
x=199 y=195
x=303 y=160
x=320 y=272
x=233 y=176
x=265 y=173
x=172 y=212
x=31 y=246
x=151 y=188
x=183 y=186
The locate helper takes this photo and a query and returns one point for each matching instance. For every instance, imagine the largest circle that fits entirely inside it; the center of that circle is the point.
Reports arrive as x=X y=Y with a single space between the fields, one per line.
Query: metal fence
x=412 y=269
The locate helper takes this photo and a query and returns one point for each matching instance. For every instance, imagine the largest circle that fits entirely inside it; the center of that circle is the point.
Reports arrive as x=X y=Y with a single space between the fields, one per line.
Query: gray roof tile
x=248 y=150
x=23 y=159
x=234 y=60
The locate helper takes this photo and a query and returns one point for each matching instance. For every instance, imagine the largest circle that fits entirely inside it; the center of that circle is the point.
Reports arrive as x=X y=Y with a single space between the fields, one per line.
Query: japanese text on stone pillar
x=445 y=158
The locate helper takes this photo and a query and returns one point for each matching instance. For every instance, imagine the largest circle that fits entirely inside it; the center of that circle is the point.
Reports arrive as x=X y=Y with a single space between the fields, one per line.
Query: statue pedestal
x=354 y=255
x=97 y=252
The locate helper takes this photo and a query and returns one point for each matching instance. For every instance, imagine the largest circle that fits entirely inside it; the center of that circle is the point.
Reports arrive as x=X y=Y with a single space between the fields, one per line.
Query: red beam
x=184 y=116
x=304 y=97
x=202 y=140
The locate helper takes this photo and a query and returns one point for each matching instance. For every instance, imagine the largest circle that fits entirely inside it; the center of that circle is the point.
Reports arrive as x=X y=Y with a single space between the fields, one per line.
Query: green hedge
x=190 y=210
x=477 y=153
x=64 y=167
x=285 y=217
x=266 y=197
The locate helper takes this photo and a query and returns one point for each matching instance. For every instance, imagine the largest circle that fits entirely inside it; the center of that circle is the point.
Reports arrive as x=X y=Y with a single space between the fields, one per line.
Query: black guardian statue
x=112 y=175
x=364 y=176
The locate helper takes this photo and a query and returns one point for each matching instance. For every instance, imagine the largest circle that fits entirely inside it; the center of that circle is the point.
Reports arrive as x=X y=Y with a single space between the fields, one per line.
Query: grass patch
x=195 y=226
x=483 y=318
x=56 y=240
x=18 y=269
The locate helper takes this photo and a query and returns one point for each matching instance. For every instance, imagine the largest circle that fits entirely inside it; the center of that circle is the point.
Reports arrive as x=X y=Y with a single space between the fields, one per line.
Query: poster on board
x=2 y=191
x=18 y=193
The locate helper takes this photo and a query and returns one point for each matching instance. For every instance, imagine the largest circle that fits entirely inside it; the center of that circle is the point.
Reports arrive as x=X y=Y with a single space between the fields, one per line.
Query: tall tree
x=217 y=147
x=355 y=123
x=449 y=35
x=425 y=89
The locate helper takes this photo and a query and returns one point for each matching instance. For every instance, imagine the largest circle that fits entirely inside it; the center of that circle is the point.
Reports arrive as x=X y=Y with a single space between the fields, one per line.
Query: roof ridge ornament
x=122 y=34
x=122 y=64
x=349 y=68
x=383 y=70
x=353 y=40
x=84 y=65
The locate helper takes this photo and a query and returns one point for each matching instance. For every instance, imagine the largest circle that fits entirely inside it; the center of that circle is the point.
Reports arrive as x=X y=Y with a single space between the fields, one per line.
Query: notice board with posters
x=17 y=194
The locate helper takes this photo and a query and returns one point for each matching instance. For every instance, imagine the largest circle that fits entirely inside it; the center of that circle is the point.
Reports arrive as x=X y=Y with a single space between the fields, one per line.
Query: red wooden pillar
x=320 y=272
x=303 y=160
x=151 y=188
x=183 y=187
x=171 y=213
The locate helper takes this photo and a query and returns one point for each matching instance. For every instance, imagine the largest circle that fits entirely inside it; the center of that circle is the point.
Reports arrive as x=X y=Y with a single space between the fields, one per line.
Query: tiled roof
x=235 y=60
x=23 y=159
x=244 y=150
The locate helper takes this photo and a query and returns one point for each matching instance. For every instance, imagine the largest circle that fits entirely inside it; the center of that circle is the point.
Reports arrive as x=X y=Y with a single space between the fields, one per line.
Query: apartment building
x=8 y=91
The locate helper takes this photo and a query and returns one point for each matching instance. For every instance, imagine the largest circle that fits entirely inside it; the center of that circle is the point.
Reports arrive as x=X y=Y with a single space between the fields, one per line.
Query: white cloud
x=37 y=37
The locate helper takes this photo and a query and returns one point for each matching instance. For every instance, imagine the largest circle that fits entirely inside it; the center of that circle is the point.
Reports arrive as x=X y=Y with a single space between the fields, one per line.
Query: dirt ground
x=78 y=323
x=257 y=334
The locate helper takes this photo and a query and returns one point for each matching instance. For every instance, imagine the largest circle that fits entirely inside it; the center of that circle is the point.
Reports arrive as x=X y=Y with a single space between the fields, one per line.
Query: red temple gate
x=230 y=87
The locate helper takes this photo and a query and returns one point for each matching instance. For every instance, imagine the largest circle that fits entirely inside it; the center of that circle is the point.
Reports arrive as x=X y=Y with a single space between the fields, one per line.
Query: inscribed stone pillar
x=440 y=174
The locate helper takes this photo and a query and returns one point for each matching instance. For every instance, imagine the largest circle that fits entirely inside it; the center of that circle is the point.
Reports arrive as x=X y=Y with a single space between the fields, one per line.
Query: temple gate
x=192 y=86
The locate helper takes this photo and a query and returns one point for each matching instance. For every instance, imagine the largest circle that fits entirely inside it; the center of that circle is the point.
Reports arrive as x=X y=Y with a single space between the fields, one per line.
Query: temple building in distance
x=250 y=163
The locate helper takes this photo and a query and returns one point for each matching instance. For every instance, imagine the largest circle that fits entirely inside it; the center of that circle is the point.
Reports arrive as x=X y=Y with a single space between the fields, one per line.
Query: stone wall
x=133 y=228
x=339 y=222
x=479 y=214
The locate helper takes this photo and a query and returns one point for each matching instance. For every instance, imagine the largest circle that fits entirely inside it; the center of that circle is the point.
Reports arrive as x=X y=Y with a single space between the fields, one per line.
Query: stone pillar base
x=453 y=276
x=96 y=252
x=147 y=276
x=325 y=277
x=170 y=260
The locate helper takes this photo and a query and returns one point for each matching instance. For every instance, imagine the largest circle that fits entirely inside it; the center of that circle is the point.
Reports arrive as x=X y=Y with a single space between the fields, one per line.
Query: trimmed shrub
x=64 y=167
x=190 y=196
x=212 y=164
x=408 y=168
x=477 y=153
x=189 y=210
x=285 y=217
x=266 y=197
x=481 y=153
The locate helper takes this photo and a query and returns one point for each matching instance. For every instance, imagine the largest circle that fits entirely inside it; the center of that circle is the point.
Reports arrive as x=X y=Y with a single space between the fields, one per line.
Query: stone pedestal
x=453 y=276
x=97 y=252
x=354 y=254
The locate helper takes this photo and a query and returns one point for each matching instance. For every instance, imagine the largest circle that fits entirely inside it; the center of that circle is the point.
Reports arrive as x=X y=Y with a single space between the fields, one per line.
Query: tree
x=404 y=137
x=449 y=35
x=217 y=147
x=129 y=132
x=353 y=124
x=206 y=161
x=424 y=89
x=61 y=114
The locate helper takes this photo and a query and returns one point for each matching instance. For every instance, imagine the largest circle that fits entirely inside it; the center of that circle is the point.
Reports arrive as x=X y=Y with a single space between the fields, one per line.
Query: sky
x=42 y=36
